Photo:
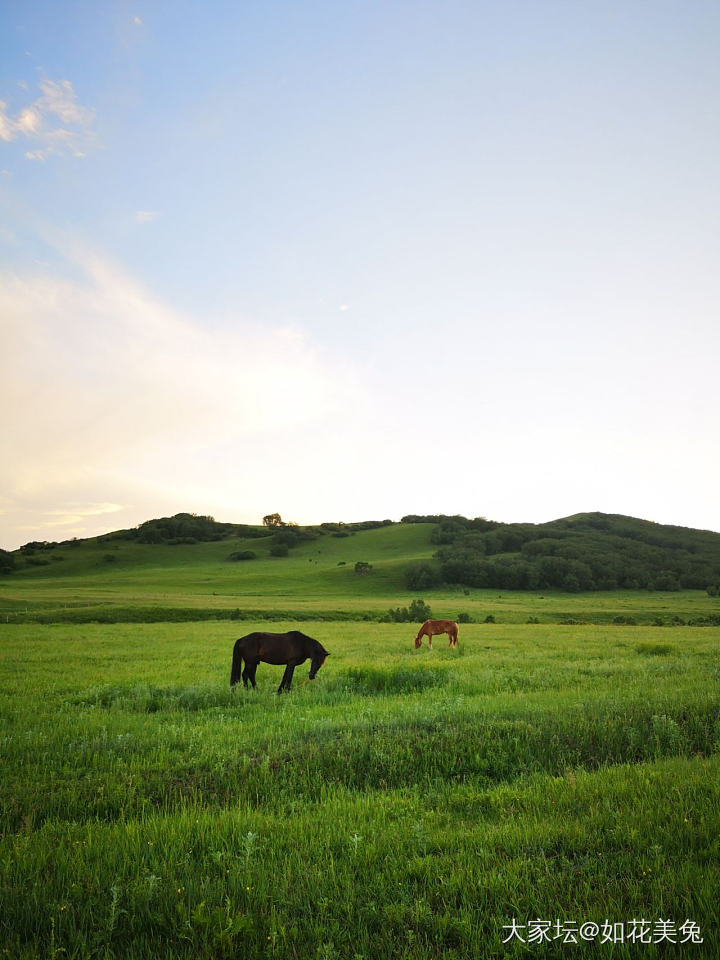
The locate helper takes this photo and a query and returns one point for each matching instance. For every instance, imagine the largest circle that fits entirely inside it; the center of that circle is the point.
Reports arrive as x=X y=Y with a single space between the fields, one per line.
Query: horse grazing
x=432 y=627
x=291 y=648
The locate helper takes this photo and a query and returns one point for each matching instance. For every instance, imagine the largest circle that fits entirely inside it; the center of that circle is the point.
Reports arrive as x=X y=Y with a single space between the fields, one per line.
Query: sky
x=352 y=261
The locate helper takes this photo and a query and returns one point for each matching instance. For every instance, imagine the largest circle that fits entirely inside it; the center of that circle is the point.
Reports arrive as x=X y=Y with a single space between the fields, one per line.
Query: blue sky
x=356 y=260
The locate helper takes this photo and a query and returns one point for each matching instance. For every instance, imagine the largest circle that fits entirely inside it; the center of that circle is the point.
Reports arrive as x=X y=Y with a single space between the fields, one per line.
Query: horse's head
x=418 y=642
x=317 y=661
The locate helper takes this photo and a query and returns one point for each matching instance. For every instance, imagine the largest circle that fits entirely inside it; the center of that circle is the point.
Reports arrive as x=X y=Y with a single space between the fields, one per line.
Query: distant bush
x=109 y=558
x=34 y=545
x=183 y=528
x=464 y=618
x=290 y=535
x=243 y=555
x=711 y=621
x=628 y=621
x=362 y=568
x=422 y=576
x=489 y=619
x=666 y=580
x=417 y=611
x=341 y=529
x=7 y=562
x=396 y=615
x=279 y=550
x=331 y=527
x=369 y=525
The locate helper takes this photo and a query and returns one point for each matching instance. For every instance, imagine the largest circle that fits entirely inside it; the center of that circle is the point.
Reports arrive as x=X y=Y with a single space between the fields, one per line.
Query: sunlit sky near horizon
x=350 y=261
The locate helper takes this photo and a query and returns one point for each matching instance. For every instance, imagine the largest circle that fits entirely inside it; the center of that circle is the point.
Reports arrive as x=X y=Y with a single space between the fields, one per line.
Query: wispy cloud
x=146 y=216
x=119 y=399
x=55 y=123
x=71 y=514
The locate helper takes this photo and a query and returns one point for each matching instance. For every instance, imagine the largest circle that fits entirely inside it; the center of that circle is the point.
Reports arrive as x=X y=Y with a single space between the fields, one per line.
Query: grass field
x=405 y=804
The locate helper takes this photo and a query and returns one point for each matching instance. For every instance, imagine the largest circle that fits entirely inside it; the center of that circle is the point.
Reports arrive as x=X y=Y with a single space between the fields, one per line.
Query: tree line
x=592 y=551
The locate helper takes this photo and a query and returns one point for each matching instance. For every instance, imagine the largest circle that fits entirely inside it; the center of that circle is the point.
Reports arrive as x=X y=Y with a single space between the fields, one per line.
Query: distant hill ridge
x=586 y=551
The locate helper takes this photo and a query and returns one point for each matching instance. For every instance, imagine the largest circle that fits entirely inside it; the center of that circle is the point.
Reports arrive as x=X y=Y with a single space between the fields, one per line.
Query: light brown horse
x=432 y=627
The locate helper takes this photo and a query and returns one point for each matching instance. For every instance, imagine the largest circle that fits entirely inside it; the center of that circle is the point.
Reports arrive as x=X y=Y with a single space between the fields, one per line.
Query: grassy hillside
x=116 y=579
x=318 y=574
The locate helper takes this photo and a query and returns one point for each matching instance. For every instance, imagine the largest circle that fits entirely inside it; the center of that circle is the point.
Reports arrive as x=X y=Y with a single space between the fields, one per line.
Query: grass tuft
x=655 y=649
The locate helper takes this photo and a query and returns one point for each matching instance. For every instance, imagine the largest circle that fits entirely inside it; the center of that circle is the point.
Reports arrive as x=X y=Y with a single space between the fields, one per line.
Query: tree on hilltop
x=273 y=520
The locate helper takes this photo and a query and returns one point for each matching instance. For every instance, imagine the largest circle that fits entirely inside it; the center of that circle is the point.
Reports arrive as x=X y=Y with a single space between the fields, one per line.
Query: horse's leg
x=429 y=636
x=249 y=672
x=287 y=677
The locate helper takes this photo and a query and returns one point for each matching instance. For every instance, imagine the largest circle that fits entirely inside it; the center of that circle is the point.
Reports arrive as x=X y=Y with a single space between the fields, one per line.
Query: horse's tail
x=237 y=661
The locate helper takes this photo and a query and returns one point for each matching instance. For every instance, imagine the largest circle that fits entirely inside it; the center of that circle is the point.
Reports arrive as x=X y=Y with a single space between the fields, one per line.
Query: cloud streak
x=117 y=398
x=54 y=124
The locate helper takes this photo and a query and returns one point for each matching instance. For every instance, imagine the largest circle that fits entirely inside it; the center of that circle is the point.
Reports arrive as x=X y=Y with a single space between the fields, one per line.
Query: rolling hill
x=592 y=565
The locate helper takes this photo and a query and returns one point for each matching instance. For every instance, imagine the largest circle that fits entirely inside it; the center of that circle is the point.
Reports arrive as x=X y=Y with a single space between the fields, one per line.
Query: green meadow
x=554 y=784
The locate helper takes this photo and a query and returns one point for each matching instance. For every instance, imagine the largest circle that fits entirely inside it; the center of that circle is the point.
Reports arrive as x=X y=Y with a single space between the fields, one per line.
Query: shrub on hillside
x=33 y=545
x=417 y=611
x=421 y=576
x=243 y=555
x=666 y=580
x=183 y=528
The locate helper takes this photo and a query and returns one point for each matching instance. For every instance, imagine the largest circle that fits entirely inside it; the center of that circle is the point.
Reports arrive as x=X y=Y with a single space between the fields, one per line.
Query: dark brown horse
x=432 y=627
x=291 y=648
